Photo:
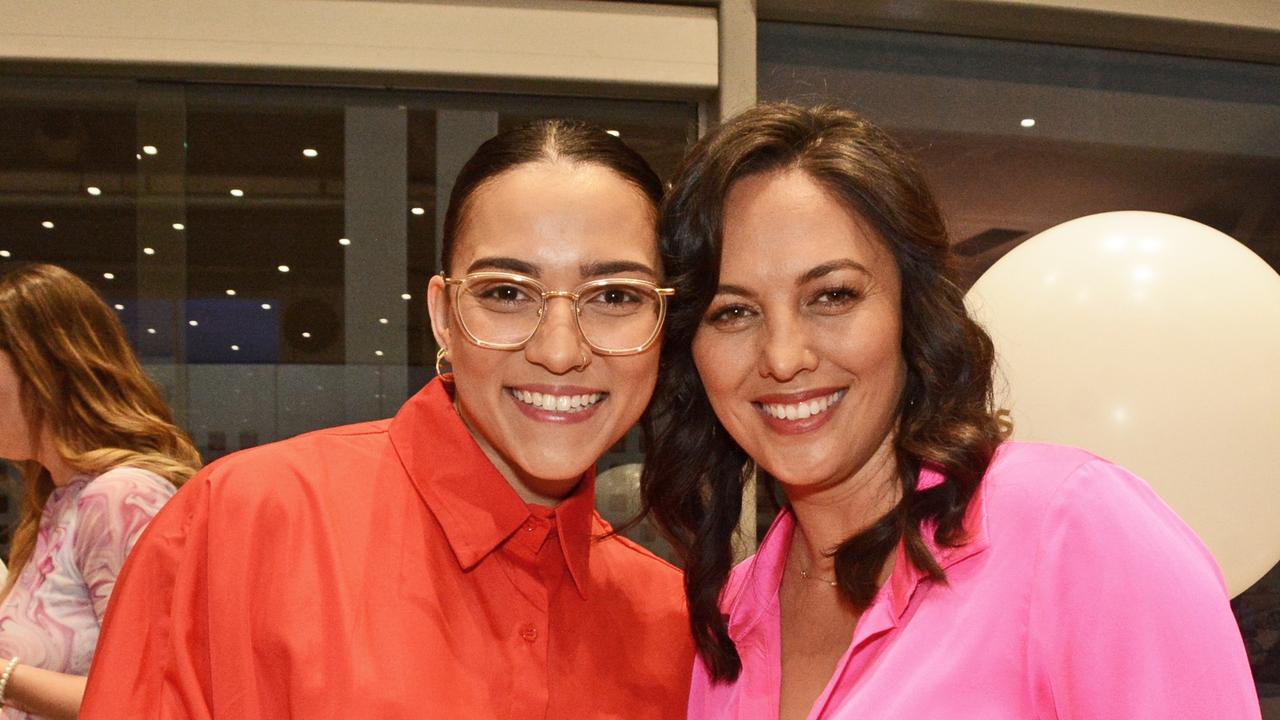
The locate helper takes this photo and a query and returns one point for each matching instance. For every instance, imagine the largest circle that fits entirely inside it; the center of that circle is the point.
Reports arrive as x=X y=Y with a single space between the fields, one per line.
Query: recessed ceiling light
x=5 y=253
x=418 y=211
x=383 y=321
x=148 y=251
x=235 y=348
x=1028 y=122
x=266 y=306
x=237 y=192
x=614 y=133
x=109 y=276
x=138 y=155
x=306 y=334
x=283 y=268
x=151 y=331
x=309 y=152
x=47 y=224
x=231 y=293
x=405 y=296
x=344 y=241
x=118 y=306
x=179 y=226
x=93 y=190
x=193 y=323
x=378 y=353
x=149 y=150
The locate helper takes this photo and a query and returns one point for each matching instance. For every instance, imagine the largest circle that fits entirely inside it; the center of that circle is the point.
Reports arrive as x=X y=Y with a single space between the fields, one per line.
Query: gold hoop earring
x=442 y=357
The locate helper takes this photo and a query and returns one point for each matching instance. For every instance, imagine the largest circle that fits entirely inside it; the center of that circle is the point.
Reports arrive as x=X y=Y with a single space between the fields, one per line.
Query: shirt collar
x=754 y=589
x=906 y=577
x=574 y=519
x=475 y=505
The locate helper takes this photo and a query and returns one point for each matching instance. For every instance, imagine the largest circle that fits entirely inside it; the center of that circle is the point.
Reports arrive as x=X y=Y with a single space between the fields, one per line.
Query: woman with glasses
x=99 y=455
x=447 y=562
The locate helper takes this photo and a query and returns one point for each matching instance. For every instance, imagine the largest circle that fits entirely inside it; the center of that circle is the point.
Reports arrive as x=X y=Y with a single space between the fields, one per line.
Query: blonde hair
x=80 y=382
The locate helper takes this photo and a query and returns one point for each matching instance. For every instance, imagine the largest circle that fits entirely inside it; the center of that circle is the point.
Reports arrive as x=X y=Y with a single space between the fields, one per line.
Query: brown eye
x=729 y=316
x=835 y=300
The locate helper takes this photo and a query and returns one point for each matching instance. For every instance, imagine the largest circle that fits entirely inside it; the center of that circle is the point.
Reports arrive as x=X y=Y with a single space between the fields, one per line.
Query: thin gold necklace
x=805 y=574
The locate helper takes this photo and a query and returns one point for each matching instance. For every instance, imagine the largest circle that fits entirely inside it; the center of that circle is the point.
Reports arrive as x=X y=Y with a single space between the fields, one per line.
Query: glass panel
x=267 y=248
x=69 y=195
x=1017 y=138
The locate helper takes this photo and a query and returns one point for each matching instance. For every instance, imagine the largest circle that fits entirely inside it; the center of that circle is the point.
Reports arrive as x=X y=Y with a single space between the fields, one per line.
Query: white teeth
x=802 y=410
x=556 y=403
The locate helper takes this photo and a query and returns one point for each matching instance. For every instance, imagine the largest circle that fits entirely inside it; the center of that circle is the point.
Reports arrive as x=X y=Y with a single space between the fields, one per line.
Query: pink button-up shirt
x=1079 y=594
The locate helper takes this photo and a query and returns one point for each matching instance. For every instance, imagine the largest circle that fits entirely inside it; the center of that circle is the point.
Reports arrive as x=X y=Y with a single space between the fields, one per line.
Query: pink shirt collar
x=754 y=589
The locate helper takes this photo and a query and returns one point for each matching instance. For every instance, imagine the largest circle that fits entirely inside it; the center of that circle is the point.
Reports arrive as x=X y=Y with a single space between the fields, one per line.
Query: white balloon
x=1153 y=341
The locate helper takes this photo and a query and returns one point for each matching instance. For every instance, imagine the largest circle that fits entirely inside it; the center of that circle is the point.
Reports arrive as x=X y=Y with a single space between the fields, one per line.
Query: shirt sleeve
x=1129 y=615
x=152 y=659
x=111 y=513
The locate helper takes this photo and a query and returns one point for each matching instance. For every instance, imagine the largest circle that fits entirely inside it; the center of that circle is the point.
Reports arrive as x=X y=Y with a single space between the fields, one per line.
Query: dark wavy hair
x=693 y=474
x=542 y=140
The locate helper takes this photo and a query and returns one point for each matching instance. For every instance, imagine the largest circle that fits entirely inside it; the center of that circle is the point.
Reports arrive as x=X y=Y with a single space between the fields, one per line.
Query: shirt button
x=529 y=633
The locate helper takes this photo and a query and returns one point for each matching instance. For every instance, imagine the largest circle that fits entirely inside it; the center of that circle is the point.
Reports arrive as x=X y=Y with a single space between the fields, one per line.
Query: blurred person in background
x=99 y=456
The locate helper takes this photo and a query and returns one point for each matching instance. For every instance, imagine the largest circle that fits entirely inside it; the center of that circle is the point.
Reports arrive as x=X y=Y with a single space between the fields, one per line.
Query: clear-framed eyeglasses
x=616 y=316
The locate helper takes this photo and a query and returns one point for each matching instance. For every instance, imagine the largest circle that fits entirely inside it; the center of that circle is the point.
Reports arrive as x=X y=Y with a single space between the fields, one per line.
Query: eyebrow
x=615 y=267
x=812 y=274
x=506 y=264
x=829 y=267
x=588 y=270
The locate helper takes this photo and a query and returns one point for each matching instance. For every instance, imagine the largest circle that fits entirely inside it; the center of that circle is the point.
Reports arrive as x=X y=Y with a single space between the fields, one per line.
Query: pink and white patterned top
x=51 y=618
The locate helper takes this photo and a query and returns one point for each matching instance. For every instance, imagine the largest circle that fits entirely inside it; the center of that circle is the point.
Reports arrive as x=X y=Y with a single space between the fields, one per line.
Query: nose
x=557 y=345
x=787 y=350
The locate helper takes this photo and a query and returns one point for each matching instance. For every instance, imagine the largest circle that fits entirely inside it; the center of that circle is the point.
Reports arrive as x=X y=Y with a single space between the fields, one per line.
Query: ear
x=438 y=309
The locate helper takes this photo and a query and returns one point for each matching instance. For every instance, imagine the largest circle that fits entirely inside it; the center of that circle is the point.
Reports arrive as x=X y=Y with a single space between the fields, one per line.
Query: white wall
x=504 y=44
x=1228 y=29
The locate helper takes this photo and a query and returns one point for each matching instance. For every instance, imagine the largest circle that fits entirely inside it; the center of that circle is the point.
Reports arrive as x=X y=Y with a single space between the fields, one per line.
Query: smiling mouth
x=802 y=410
x=564 y=404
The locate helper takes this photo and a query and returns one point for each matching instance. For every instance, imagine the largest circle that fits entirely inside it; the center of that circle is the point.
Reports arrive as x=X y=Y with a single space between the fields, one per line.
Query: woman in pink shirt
x=922 y=567
x=99 y=456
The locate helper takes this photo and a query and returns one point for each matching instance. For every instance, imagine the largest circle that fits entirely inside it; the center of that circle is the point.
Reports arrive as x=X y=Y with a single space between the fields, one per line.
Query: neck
x=537 y=491
x=831 y=514
x=60 y=472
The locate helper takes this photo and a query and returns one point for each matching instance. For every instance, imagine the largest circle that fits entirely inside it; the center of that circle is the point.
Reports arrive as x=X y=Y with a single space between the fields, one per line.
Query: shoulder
x=309 y=459
x=1077 y=507
x=632 y=565
x=624 y=552
x=125 y=484
x=1025 y=480
x=263 y=484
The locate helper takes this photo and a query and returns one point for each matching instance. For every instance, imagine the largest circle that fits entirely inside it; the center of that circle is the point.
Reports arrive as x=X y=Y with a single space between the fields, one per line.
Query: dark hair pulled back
x=542 y=141
x=693 y=474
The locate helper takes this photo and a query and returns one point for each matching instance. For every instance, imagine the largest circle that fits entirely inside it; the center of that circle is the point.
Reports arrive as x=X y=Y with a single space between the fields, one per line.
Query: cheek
x=633 y=377
x=721 y=363
x=716 y=361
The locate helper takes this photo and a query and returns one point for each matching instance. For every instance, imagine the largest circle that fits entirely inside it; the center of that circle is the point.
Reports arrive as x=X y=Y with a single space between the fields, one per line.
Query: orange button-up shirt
x=386 y=570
